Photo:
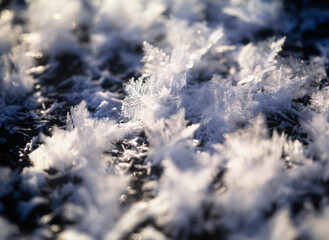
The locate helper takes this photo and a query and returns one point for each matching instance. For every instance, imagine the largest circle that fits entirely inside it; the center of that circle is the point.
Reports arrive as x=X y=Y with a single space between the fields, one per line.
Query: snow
x=163 y=120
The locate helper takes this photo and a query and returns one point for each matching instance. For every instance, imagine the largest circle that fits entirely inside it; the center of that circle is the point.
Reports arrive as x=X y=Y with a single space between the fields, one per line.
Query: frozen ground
x=164 y=119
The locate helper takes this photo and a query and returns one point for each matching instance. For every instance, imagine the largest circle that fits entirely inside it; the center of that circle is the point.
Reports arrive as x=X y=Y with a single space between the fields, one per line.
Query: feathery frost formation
x=164 y=119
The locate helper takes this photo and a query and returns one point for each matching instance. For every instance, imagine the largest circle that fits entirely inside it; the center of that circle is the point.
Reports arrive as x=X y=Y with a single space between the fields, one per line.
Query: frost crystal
x=164 y=119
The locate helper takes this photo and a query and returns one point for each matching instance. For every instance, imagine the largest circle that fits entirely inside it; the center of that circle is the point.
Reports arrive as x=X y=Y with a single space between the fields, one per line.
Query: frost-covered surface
x=158 y=120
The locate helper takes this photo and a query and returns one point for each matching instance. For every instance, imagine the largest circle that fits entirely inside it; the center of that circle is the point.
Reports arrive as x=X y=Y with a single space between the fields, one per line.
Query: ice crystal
x=164 y=119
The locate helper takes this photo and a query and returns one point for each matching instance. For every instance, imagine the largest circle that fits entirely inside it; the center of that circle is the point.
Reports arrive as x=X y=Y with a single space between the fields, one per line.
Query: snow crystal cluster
x=163 y=119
